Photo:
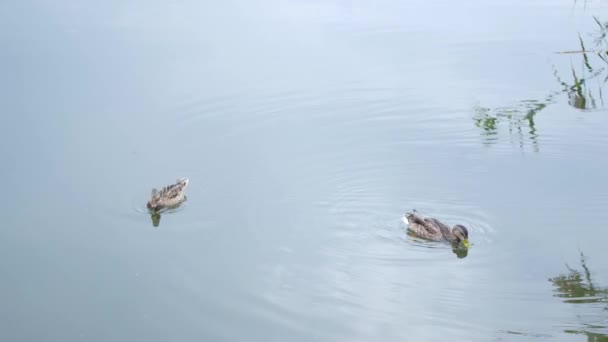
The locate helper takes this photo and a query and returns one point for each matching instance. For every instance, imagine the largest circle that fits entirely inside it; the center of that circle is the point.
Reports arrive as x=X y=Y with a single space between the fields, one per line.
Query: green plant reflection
x=519 y=120
x=585 y=88
x=577 y=287
x=582 y=82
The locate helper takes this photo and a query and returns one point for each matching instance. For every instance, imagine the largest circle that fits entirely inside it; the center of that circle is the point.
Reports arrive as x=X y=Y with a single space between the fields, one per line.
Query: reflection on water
x=460 y=251
x=155 y=218
x=583 y=88
x=457 y=249
x=577 y=287
x=519 y=119
x=311 y=124
x=582 y=92
x=155 y=215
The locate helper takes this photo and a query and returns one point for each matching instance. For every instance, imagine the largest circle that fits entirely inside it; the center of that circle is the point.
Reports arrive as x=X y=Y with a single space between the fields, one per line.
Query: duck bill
x=466 y=243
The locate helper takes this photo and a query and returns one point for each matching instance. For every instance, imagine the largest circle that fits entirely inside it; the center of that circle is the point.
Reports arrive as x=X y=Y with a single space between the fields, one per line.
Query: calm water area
x=307 y=129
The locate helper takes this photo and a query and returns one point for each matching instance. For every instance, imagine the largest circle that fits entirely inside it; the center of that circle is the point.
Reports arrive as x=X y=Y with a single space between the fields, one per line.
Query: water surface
x=307 y=129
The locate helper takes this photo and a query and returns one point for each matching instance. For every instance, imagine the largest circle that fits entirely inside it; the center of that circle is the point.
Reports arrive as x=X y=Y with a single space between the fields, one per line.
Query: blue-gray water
x=307 y=129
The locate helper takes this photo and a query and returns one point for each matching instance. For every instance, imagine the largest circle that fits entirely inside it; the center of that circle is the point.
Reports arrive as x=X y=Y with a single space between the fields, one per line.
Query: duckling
x=169 y=196
x=433 y=229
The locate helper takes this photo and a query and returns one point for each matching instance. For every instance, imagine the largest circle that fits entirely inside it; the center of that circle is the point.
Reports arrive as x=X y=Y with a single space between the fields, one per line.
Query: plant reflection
x=580 y=90
x=577 y=287
x=519 y=118
x=583 y=87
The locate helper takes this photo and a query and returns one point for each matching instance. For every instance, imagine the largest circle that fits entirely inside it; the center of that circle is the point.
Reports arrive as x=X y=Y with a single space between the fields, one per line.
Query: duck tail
x=414 y=217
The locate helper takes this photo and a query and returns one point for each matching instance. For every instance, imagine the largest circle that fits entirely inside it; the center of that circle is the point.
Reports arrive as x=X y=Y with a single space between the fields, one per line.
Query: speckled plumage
x=432 y=229
x=168 y=196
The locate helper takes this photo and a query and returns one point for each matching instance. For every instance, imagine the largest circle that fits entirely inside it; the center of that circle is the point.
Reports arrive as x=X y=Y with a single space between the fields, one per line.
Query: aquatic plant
x=584 y=89
x=577 y=287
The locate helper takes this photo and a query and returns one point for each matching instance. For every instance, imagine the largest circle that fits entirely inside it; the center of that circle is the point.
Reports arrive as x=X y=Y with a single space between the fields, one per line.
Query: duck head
x=153 y=203
x=461 y=234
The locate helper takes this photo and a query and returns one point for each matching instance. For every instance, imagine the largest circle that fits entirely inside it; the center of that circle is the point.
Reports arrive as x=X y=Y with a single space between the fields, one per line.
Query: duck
x=432 y=229
x=169 y=196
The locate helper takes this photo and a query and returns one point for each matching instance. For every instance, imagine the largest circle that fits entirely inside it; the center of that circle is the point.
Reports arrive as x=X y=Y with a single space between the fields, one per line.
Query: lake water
x=307 y=129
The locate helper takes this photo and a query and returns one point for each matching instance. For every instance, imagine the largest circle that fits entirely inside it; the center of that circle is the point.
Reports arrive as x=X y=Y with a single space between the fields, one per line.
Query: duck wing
x=174 y=191
x=415 y=218
x=424 y=227
x=443 y=229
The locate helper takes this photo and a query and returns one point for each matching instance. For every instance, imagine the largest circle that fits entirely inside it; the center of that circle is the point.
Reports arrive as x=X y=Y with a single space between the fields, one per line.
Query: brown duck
x=432 y=229
x=169 y=196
